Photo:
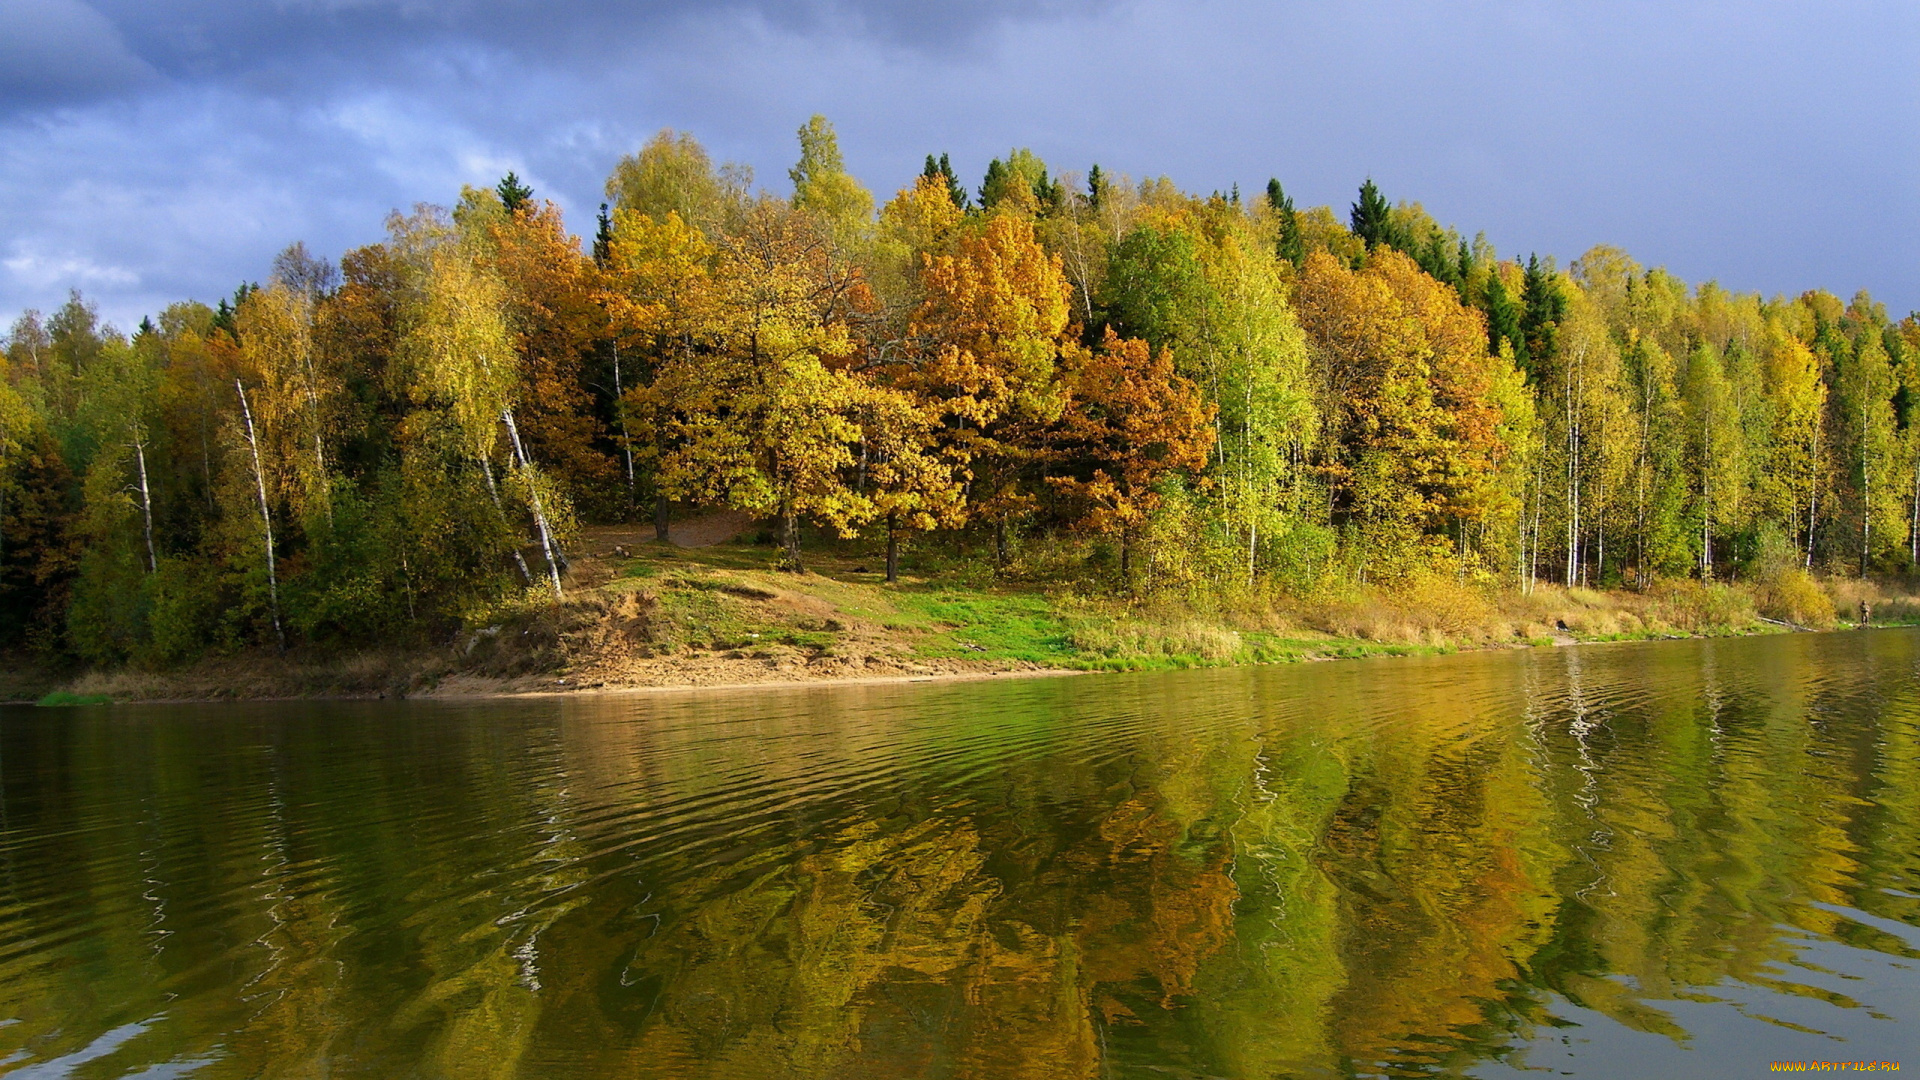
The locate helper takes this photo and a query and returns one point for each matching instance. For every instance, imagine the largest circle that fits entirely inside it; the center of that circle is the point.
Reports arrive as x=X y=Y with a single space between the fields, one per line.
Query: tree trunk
x=206 y=459
x=626 y=438
x=1813 y=496
x=320 y=462
x=893 y=549
x=662 y=517
x=493 y=492
x=790 y=540
x=266 y=516
x=1913 y=526
x=1866 y=515
x=1706 y=547
x=1253 y=548
x=1000 y=545
x=547 y=546
x=146 y=505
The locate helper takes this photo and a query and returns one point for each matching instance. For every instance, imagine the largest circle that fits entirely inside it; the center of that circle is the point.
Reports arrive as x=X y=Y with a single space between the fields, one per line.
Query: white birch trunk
x=493 y=492
x=626 y=437
x=533 y=497
x=266 y=514
x=146 y=504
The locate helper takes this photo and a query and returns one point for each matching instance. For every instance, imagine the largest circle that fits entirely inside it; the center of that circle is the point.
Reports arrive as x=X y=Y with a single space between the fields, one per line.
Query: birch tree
x=463 y=361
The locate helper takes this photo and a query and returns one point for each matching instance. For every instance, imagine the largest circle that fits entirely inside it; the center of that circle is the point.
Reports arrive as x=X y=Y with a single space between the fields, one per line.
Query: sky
x=158 y=150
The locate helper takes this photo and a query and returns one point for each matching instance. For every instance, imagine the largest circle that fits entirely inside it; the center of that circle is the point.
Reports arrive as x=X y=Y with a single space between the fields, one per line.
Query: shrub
x=1792 y=596
x=1694 y=606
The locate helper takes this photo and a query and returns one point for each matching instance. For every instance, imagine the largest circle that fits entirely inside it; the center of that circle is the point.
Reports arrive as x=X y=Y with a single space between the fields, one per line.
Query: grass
x=729 y=599
x=987 y=625
x=63 y=699
x=656 y=612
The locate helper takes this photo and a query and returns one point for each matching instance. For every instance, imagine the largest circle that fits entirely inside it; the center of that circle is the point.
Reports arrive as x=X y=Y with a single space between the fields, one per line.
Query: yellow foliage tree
x=989 y=334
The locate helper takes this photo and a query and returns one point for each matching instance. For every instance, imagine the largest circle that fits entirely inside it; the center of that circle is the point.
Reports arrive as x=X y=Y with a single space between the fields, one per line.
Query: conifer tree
x=1288 y=244
x=941 y=172
x=1542 y=307
x=1371 y=217
x=514 y=195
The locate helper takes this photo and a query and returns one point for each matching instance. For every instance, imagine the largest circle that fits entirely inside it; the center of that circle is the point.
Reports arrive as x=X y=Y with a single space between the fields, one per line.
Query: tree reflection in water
x=1401 y=868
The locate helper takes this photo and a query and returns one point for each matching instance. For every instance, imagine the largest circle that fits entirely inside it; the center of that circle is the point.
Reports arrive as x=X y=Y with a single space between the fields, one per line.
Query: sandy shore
x=374 y=676
x=457 y=689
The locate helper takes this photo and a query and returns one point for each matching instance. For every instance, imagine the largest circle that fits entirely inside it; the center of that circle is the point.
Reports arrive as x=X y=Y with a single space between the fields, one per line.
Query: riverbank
x=643 y=616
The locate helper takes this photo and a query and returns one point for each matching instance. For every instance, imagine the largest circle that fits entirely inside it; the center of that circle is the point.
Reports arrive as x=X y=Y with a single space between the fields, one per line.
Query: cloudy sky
x=152 y=150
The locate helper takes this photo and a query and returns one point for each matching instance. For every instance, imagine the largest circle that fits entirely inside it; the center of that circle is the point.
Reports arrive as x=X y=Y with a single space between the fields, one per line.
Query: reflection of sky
x=166 y=148
x=1834 y=1003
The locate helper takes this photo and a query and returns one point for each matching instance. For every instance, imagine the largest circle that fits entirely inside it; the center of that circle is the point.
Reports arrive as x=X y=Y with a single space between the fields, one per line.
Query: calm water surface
x=1673 y=860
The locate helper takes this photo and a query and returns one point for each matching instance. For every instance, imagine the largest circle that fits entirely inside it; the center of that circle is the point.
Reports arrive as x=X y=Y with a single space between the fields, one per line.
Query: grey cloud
x=206 y=38
x=58 y=51
x=1764 y=144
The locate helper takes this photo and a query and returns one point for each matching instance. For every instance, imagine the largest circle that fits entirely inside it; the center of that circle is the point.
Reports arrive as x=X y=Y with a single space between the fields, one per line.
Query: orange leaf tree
x=1130 y=422
x=990 y=333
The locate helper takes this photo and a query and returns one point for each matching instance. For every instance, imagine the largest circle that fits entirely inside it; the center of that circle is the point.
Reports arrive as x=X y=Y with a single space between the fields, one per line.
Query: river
x=1675 y=859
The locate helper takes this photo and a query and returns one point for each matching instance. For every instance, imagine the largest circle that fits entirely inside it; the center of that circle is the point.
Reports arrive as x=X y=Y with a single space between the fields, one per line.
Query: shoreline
x=657 y=619
x=465 y=687
x=603 y=690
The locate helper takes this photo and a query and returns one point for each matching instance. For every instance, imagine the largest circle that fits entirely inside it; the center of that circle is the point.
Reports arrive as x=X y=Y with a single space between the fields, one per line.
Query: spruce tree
x=1371 y=217
x=942 y=171
x=1503 y=318
x=994 y=185
x=603 y=238
x=1288 y=245
x=1542 y=308
x=513 y=194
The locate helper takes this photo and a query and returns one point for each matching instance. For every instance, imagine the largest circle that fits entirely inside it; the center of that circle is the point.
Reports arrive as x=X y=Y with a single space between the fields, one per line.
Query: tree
x=910 y=481
x=252 y=433
x=297 y=269
x=1097 y=186
x=1414 y=409
x=1662 y=539
x=672 y=174
x=759 y=419
x=1129 y=422
x=1715 y=449
x=1864 y=444
x=602 y=236
x=1371 y=217
x=659 y=298
x=942 y=174
x=1583 y=402
x=38 y=549
x=1288 y=244
x=514 y=195
x=295 y=397
x=1790 y=470
x=1543 y=305
x=1210 y=290
x=554 y=313
x=822 y=185
x=463 y=362
x=990 y=331
x=1020 y=181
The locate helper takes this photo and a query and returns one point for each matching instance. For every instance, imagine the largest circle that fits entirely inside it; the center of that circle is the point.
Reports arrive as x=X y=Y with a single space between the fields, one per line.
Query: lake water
x=1682 y=859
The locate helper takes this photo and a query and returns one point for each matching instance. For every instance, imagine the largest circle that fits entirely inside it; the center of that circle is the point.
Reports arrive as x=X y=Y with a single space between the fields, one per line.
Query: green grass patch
x=62 y=699
x=982 y=625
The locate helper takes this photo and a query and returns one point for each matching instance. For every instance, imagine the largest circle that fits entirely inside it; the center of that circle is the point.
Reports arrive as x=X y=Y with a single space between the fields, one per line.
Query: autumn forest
x=1167 y=394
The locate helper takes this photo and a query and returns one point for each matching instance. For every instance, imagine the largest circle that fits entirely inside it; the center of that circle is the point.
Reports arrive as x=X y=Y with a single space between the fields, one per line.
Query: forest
x=1085 y=378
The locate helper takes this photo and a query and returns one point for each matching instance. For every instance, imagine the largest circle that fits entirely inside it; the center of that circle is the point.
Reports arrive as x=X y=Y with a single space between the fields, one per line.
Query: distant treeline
x=1201 y=394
